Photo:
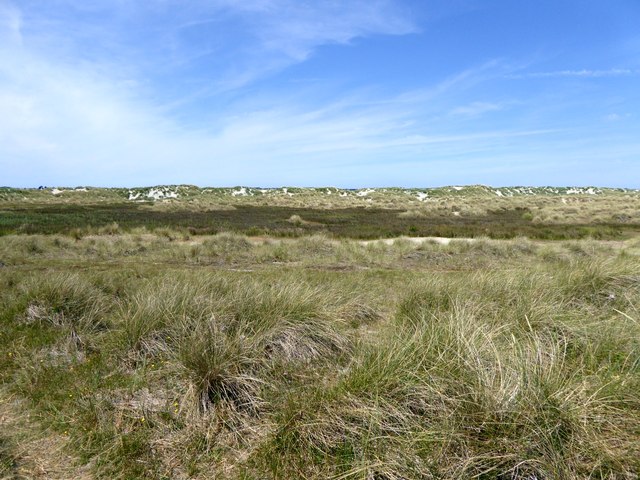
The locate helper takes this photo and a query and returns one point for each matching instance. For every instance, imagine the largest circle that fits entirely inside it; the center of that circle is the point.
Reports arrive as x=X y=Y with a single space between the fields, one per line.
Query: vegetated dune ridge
x=541 y=212
x=190 y=192
x=310 y=350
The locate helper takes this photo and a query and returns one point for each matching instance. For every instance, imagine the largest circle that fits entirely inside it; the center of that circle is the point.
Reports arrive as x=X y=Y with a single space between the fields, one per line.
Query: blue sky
x=348 y=93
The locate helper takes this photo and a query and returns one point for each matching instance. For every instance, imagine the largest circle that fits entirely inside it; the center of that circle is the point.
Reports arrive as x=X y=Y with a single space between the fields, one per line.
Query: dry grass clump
x=226 y=243
x=452 y=395
x=65 y=300
x=221 y=366
x=220 y=248
x=317 y=358
x=491 y=248
x=143 y=319
x=15 y=247
x=296 y=220
x=359 y=313
x=314 y=245
x=290 y=321
x=225 y=336
x=110 y=229
x=412 y=214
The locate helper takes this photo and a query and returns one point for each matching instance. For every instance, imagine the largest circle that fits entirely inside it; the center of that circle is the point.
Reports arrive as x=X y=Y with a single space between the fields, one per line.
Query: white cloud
x=476 y=108
x=229 y=43
x=72 y=112
x=615 y=117
x=66 y=106
x=62 y=124
x=585 y=73
x=295 y=29
x=285 y=32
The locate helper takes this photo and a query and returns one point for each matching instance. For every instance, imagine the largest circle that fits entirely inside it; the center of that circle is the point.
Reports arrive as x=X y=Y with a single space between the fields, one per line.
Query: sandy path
x=416 y=240
x=386 y=241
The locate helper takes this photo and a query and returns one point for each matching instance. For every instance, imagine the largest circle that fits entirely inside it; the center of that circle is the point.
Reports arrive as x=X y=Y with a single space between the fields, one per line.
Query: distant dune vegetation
x=374 y=334
x=473 y=211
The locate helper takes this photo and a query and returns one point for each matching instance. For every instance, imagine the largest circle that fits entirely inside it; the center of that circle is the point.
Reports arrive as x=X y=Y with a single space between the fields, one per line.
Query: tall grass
x=451 y=392
x=485 y=359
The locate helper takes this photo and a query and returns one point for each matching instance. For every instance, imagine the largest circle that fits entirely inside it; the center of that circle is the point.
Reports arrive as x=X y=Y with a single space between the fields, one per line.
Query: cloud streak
x=286 y=32
x=476 y=108
x=217 y=45
x=70 y=124
x=85 y=115
x=584 y=73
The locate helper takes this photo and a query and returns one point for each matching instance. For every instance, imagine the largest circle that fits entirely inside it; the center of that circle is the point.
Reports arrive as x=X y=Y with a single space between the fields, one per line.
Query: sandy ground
x=416 y=240
x=261 y=240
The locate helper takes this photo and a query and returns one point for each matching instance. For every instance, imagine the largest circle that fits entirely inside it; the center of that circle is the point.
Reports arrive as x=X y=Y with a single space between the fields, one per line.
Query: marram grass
x=139 y=355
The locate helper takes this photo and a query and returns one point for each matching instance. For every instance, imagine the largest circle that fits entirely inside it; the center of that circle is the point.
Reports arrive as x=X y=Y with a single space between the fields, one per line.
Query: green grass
x=168 y=355
x=77 y=220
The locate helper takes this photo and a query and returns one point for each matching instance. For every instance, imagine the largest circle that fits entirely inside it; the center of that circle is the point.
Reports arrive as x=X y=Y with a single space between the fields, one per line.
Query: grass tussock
x=453 y=396
x=228 y=357
x=65 y=300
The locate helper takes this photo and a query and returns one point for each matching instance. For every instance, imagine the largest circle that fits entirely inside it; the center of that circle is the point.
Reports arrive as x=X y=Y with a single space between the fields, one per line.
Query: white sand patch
x=133 y=196
x=416 y=240
x=80 y=190
x=422 y=196
x=564 y=200
x=499 y=193
x=583 y=191
x=364 y=193
x=458 y=188
x=241 y=192
x=55 y=191
x=157 y=194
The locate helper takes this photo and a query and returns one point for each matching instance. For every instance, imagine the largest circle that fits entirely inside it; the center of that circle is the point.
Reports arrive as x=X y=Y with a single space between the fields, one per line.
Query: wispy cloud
x=75 y=110
x=10 y=24
x=616 y=117
x=164 y=91
x=217 y=45
x=70 y=123
x=585 y=73
x=475 y=109
x=285 y=32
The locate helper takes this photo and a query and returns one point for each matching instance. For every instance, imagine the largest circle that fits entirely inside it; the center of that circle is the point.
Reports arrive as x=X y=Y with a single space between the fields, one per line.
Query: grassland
x=450 y=212
x=155 y=350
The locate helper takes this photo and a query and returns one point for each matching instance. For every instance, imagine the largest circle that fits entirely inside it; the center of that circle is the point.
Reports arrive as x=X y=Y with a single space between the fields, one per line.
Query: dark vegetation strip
x=272 y=220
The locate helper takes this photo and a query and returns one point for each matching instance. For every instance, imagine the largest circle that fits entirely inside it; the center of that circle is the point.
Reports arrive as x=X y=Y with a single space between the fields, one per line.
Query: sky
x=345 y=93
